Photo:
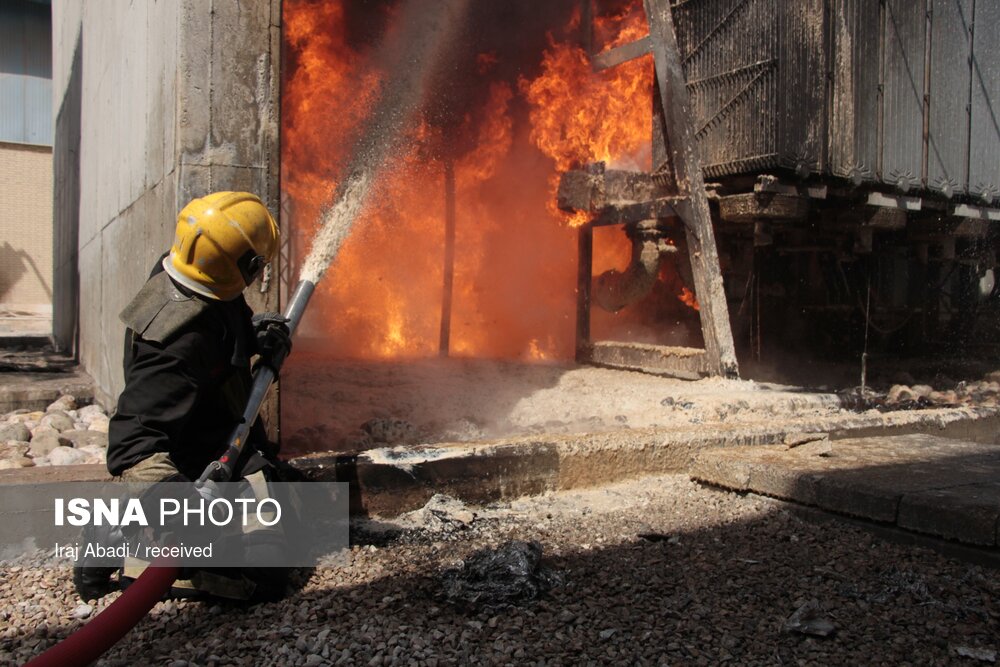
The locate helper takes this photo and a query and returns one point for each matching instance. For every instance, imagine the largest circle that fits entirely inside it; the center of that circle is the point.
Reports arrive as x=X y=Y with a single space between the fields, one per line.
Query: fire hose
x=95 y=638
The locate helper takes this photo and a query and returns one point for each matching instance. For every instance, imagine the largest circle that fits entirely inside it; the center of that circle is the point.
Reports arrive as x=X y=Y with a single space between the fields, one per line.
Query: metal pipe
x=585 y=267
x=221 y=470
x=297 y=304
x=613 y=290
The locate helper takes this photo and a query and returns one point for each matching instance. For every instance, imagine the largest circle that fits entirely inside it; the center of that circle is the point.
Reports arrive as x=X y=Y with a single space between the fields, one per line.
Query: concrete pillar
x=156 y=103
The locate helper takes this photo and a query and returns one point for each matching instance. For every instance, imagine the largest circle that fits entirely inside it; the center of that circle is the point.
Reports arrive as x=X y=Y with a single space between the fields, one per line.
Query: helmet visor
x=251 y=265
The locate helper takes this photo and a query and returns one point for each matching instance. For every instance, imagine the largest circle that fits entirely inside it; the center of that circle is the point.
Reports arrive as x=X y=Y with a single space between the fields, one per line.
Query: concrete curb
x=389 y=481
x=394 y=480
x=924 y=483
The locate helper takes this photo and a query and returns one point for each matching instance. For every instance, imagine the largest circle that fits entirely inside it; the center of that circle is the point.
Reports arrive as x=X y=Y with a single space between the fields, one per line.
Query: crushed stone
x=718 y=590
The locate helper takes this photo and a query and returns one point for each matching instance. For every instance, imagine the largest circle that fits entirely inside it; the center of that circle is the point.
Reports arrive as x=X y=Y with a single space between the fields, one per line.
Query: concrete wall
x=177 y=98
x=26 y=228
x=67 y=86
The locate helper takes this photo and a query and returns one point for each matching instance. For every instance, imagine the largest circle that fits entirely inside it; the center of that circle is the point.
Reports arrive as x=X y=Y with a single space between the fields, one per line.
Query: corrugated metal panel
x=802 y=75
x=25 y=72
x=903 y=98
x=948 y=137
x=949 y=106
x=856 y=35
x=984 y=161
x=730 y=51
x=757 y=74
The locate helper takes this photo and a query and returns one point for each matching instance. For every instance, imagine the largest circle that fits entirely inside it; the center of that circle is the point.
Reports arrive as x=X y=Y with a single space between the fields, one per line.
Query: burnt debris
x=510 y=575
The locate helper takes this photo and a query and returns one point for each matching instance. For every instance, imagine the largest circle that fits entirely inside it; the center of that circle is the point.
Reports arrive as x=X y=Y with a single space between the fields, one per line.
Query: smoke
x=427 y=30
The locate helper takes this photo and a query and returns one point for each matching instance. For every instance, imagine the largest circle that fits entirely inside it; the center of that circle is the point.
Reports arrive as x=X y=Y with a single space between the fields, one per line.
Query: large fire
x=509 y=123
x=578 y=117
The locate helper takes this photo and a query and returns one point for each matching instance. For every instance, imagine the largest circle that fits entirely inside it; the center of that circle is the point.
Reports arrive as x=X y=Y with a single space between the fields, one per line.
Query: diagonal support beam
x=683 y=151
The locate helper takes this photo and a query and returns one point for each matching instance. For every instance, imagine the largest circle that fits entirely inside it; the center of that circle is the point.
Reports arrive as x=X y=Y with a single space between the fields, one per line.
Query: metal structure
x=677 y=191
x=852 y=146
x=901 y=93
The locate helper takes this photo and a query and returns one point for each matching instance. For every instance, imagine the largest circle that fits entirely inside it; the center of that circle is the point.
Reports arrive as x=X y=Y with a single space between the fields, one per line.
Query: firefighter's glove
x=208 y=490
x=190 y=495
x=190 y=525
x=274 y=341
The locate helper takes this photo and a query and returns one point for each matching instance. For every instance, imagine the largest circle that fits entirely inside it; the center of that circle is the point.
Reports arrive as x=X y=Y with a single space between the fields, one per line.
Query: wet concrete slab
x=947 y=487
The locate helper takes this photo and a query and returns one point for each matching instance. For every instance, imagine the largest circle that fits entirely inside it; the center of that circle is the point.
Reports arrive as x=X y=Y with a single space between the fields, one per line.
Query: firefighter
x=189 y=340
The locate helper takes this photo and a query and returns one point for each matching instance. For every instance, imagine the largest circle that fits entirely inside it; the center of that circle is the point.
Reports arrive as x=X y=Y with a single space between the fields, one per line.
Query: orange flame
x=515 y=257
x=688 y=299
x=578 y=117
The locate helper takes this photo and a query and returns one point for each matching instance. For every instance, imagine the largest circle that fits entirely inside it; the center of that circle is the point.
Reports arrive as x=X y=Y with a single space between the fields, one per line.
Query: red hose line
x=92 y=640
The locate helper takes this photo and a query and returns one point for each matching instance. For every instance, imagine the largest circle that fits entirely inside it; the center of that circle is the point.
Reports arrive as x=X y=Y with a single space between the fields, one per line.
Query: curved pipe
x=613 y=290
x=92 y=640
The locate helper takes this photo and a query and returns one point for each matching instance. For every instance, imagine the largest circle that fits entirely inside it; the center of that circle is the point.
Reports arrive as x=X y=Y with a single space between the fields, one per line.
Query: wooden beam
x=894 y=201
x=594 y=188
x=752 y=207
x=621 y=54
x=585 y=257
x=448 y=288
x=971 y=212
x=683 y=151
x=614 y=196
x=687 y=363
x=632 y=213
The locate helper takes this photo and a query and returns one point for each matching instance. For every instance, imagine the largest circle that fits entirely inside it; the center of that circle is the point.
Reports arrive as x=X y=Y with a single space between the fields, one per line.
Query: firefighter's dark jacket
x=187 y=377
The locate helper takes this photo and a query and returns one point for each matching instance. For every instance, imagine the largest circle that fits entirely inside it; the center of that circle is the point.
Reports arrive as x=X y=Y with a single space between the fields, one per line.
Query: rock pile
x=64 y=434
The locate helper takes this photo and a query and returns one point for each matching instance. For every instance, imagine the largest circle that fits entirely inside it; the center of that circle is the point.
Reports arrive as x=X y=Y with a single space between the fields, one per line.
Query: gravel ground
x=655 y=571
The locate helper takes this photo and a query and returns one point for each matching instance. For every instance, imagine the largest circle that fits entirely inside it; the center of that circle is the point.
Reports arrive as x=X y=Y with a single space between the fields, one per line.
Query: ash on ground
x=352 y=406
x=442 y=518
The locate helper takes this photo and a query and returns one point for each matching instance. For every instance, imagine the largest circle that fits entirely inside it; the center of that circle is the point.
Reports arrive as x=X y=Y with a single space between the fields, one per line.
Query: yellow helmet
x=222 y=243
